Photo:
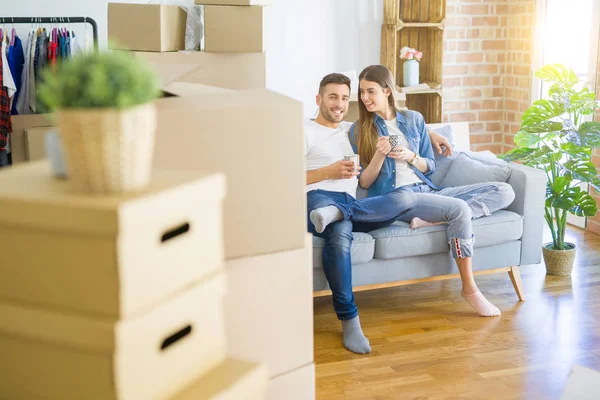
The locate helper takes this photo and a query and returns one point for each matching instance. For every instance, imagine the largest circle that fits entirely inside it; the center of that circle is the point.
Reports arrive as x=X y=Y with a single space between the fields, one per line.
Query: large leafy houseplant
x=554 y=138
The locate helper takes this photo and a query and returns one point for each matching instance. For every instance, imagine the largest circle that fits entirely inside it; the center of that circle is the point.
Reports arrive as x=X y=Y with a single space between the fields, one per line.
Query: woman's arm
x=403 y=153
x=425 y=149
x=370 y=174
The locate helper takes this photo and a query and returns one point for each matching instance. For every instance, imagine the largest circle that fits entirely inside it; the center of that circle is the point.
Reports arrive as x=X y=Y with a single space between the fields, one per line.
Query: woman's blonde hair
x=365 y=134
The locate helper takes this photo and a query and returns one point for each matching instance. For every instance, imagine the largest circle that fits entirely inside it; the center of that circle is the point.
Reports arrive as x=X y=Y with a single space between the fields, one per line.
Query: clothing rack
x=54 y=20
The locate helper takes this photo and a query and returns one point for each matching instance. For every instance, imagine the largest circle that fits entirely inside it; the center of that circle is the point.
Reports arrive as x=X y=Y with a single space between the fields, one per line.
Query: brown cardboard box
x=35 y=148
x=231 y=380
x=226 y=70
x=107 y=255
x=152 y=355
x=235 y=29
x=296 y=385
x=269 y=309
x=18 y=145
x=236 y=2
x=146 y=27
x=255 y=138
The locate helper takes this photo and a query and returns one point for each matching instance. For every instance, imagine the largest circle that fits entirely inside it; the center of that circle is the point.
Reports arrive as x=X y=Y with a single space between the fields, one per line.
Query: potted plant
x=103 y=103
x=410 y=68
x=554 y=138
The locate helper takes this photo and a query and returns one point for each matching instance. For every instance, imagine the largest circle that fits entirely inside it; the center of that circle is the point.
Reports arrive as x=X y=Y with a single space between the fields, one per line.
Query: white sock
x=321 y=217
x=481 y=304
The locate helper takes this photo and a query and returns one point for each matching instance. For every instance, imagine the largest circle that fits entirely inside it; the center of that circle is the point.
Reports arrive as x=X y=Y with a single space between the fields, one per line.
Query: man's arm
x=338 y=170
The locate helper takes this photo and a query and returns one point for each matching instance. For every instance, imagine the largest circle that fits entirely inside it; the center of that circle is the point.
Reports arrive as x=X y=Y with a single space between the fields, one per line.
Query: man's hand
x=383 y=146
x=437 y=141
x=341 y=170
x=402 y=153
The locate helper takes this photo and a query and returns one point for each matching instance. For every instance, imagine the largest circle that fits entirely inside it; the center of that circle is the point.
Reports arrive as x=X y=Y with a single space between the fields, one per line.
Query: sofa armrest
x=529 y=185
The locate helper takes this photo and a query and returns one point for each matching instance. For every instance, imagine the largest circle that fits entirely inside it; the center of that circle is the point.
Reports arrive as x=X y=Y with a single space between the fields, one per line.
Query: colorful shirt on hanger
x=16 y=59
x=5 y=118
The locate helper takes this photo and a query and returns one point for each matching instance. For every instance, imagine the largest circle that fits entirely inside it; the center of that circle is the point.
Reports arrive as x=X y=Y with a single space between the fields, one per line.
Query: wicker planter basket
x=108 y=150
x=559 y=262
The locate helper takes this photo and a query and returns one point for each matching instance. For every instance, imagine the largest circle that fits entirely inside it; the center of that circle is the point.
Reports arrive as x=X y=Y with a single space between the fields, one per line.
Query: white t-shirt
x=324 y=146
x=404 y=174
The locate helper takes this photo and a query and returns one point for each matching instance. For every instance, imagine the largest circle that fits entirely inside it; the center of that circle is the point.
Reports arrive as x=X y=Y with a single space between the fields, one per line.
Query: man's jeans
x=457 y=206
x=359 y=216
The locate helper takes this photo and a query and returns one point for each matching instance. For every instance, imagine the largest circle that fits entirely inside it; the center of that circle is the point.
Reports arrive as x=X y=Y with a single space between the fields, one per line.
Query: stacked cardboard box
x=256 y=138
x=113 y=297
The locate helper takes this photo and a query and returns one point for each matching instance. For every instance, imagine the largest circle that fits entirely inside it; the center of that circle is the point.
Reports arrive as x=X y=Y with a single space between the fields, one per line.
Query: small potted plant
x=410 y=68
x=103 y=104
x=554 y=138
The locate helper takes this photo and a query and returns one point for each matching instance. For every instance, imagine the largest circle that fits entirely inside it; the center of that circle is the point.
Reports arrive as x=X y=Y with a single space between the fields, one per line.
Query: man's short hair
x=339 y=79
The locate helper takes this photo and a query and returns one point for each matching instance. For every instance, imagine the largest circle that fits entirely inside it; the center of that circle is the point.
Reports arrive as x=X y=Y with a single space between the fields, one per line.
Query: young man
x=331 y=188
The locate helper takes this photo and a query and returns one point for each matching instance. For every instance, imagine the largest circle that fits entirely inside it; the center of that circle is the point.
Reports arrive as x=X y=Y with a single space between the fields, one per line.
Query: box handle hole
x=173 y=233
x=177 y=336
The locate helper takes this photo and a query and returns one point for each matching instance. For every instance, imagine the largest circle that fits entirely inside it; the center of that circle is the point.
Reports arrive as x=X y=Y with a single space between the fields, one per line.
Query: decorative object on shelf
x=410 y=66
x=106 y=119
x=554 y=138
x=55 y=154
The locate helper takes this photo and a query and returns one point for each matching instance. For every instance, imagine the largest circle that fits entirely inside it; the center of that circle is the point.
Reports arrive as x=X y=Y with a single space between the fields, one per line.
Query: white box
x=236 y=2
x=296 y=385
x=153 y=355
x=106 y=255
x=269 y=309
x=231 y=380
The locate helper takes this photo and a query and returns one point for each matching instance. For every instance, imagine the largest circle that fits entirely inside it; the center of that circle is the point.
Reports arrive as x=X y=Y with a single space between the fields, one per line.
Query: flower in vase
x=408 y=53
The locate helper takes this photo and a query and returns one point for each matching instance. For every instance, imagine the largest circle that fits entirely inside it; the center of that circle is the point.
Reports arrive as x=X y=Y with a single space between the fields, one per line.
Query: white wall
x=307 y=38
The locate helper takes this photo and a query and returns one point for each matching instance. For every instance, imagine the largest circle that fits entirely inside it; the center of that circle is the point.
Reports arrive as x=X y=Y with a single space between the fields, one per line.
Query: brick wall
x=486 y=67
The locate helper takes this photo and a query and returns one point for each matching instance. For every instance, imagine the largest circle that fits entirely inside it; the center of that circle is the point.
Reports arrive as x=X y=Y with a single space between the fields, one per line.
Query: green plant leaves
x=542 y=111
x=526 y=139
x=589 y=132
x=557 y=73
x=98 y=80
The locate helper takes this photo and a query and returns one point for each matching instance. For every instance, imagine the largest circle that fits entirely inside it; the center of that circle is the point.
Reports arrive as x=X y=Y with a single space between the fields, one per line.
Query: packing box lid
x=233 y=379
x=31 y=196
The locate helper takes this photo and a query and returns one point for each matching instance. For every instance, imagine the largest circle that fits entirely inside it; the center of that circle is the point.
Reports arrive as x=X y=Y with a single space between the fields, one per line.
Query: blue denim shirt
x=412 y=125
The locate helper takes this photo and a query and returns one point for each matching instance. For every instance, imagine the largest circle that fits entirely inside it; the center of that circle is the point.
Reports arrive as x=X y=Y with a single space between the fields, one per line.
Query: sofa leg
x=515 y=277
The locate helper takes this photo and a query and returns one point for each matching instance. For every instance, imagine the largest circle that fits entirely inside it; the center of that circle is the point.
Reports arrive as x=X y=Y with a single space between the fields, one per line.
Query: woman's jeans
x=457 y=206
x=359 y=216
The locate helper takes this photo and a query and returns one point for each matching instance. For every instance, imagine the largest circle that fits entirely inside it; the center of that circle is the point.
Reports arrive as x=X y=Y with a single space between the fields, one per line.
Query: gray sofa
x=507 y=238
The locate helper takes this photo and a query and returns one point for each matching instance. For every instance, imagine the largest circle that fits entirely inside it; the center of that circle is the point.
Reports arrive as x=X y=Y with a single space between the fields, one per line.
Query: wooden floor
x=428 y=344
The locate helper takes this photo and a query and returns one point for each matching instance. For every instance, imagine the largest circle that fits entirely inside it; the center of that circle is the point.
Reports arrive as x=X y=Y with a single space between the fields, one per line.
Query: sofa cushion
x=363 y=248
x=398 y=240
x=466 y=170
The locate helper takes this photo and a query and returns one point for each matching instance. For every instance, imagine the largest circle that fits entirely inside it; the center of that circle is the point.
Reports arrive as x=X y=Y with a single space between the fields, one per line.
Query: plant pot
x=559 y=262
x=108 y=150
x=410 y=73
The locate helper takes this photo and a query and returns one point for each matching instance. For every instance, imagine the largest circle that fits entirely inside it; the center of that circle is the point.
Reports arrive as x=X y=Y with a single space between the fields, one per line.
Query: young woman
x=408 y=165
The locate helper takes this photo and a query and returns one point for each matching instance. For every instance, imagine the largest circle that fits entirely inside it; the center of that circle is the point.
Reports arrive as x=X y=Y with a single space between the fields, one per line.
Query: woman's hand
x=383 y=146
x=402 y=153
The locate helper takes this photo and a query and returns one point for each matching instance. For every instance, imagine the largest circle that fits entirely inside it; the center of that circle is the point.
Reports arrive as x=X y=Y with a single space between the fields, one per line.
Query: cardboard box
x=225 y=70
x=236 y=2
x=231 y=380
x=269 y=309
x=146 y=27
x=296 y=385
x=107 y=255
x=235 y=29
x=255 y=138
x=35 y=147
x=352 y=114
x=153 y=355
x=18 y=145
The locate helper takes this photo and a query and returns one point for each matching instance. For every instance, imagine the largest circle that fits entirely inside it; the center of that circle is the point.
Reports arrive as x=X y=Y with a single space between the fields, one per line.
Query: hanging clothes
x=22 y=101
x=32 y=63
x=5 y=118
x=16 y=59
x=7 y=78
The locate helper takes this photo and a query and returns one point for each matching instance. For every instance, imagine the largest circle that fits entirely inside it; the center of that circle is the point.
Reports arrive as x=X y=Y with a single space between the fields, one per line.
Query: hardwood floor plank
x=428 y=344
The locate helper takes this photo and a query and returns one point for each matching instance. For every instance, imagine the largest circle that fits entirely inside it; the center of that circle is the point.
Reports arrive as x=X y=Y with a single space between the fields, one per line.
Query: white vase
x=55 y=154
x=410 y=76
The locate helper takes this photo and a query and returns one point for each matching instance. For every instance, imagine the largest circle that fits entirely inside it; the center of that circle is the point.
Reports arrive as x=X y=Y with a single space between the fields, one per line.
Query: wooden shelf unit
x=418 y=24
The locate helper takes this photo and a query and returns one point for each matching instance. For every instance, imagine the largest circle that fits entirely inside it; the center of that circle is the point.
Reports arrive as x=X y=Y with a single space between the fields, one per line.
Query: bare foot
x=417 y=223
x=481 y=304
